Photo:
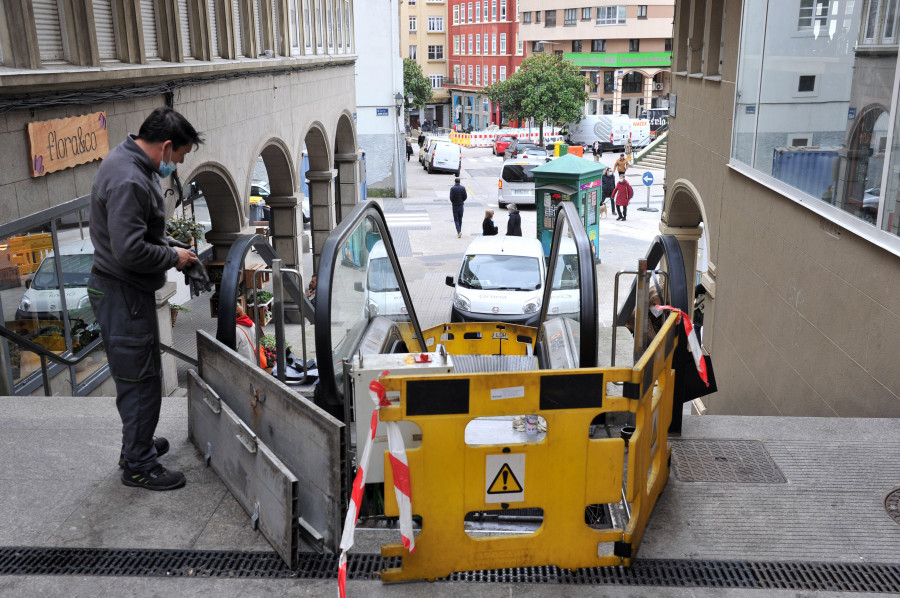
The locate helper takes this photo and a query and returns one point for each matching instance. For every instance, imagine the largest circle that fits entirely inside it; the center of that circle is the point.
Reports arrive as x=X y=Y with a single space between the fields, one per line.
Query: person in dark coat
x=458 y=197
x=598 y=151
x=488 y=228
x=421 y=140
x=409 y=150
x=608 y=182
x=622 y=194
x=514 y=224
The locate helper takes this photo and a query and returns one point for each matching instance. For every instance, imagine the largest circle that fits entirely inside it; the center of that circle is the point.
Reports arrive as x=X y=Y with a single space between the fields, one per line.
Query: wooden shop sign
x=66 y=142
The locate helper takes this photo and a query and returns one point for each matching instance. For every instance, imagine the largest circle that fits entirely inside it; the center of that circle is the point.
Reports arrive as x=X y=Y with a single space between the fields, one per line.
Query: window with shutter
x=106 y=35
x=307 y=26
x=187 y=48
x=214 y=29
x=259 y=41
x=238 y=32
x=148 y=24
x=294 y=23
x=276 y=34
x=46 y=19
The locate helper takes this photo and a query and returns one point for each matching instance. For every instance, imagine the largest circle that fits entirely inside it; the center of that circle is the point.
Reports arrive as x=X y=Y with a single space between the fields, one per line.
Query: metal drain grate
x=741 y=461
x=837 y=577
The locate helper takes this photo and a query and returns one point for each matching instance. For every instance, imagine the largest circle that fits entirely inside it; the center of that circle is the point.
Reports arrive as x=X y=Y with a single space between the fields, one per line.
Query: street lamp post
x=400 y=170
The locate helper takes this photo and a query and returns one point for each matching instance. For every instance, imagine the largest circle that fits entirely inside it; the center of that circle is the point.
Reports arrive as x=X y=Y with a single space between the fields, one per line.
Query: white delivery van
x=501 y=279
x=42 y=299
x=383 y=296
x=516 y=183
x=565 y=294
x=441 y=156
x=640 y=132
x=611 y=130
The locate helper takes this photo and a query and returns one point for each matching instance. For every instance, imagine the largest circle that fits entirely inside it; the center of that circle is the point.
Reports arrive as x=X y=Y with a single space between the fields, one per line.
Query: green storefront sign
x=631 y=60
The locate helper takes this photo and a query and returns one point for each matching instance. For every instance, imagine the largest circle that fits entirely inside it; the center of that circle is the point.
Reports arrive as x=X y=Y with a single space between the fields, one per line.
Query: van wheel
x=429 y=169
x=456 y=173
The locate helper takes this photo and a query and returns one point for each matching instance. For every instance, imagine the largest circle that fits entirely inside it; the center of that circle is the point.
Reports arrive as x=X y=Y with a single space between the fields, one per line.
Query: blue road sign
x=647 y=178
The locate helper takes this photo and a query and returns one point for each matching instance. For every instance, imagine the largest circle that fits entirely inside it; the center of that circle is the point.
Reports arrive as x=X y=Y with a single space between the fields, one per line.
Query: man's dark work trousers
x=130 y=334
x=457 y=217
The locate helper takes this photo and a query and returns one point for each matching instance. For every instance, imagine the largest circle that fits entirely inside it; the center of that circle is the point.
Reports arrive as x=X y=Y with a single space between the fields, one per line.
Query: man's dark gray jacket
x=128 y=219
x=457 y=195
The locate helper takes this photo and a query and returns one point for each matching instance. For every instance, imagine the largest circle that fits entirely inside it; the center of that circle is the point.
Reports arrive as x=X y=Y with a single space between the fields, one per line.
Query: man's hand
x=185 y=258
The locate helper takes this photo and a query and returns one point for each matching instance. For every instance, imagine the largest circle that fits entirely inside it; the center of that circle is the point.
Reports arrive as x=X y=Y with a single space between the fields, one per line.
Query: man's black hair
x=166 y=124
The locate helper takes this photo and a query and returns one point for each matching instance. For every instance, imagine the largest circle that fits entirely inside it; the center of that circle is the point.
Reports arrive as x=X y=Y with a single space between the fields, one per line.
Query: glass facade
x=816 y=106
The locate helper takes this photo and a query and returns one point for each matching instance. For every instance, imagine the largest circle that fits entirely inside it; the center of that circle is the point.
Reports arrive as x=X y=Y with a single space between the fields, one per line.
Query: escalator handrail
x=662 y=246
x=327 y=388
x=587 y=276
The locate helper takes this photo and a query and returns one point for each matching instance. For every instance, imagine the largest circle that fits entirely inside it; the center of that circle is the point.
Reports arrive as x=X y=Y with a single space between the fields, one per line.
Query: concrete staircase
x=654 y=156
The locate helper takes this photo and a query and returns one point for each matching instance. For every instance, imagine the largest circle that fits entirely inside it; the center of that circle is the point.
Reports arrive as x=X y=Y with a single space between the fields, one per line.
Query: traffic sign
x=647 y=178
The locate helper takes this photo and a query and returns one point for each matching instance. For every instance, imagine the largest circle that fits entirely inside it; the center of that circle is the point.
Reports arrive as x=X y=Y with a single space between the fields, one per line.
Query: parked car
x=41 y=300
x=259 y=193
x=501 y=143
x=501 y=279
x=536 y=153
x=516 y=182
x=383 y=296
x=871 y=199
x=446 y=157
x=515 y=147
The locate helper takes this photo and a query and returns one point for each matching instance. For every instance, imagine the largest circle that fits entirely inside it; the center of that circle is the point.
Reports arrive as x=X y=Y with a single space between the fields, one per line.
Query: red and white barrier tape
x=402 y=491
x=693 y=343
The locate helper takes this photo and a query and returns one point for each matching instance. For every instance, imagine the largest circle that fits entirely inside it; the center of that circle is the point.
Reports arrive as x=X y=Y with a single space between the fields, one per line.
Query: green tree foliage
x=415 y=83
x=547 y=88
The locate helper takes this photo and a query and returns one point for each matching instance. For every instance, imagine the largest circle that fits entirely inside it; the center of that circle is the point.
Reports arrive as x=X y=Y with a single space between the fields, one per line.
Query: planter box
x=262 y=313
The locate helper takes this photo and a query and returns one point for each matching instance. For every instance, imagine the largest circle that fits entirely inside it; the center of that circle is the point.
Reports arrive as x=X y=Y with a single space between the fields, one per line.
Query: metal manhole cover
x=892 y=504
x=739 y=461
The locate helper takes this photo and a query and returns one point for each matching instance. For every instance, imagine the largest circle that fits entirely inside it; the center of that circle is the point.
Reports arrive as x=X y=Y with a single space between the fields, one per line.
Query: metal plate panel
x=303 y=436
x=738 y=461
x=257 y=479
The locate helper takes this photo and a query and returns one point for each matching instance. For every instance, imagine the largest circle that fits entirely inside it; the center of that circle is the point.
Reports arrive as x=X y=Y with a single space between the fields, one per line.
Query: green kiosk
x=568 y=178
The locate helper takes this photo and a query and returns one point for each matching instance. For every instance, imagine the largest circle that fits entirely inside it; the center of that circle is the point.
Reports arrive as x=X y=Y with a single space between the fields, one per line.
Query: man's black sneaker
x=155 y=478
x=161 y=444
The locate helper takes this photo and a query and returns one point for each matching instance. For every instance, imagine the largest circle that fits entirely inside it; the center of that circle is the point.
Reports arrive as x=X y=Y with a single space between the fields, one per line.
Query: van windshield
x=500 y=272
x=381 y=276
x=518 y=173
x=76 y=270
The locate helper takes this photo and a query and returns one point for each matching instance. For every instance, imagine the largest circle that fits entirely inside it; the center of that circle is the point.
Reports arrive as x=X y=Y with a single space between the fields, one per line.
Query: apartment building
x=423 y=38
x=624 y=48
x=261 y=80
x=784 y=152
x=485 y=49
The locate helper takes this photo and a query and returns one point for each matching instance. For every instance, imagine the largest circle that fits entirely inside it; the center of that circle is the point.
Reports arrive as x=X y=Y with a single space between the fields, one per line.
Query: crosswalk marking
x=409 y=220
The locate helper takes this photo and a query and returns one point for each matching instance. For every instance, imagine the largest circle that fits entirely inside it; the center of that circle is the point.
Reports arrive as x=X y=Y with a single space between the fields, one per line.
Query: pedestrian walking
x=421 y=140
x=608 y=183
x=598 y=151
x=622 y=194
x=409 y=150
x=131 y=256
x=621 y=164
x=514 y=224
x=458 y=197
x=628 y=149
x=488 y=228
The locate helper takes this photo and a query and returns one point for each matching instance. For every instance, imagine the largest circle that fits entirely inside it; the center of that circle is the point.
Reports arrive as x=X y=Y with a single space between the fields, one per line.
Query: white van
x=443 y=156
x=383 y=296
x=516 y=182
x=501 y=279
x=565 y=288
x=42 y=299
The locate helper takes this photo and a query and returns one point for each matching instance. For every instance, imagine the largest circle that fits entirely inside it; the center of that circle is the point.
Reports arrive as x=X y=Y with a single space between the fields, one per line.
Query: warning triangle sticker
x=505 y=482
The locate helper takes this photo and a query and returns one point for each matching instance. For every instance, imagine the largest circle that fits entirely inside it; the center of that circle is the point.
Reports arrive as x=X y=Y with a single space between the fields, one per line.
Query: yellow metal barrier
x=562 y=474
x=473 y=338
x=28 y=251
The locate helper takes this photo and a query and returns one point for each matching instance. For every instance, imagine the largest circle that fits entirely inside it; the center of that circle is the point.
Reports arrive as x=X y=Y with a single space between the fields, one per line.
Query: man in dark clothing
x=608 y=184
x=421 y=140
x=131 y=256
x=514 y=224
x=458 y=197
x=409 y=150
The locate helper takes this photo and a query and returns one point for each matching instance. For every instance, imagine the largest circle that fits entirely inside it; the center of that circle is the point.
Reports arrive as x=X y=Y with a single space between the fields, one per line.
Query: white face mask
x=655 y=310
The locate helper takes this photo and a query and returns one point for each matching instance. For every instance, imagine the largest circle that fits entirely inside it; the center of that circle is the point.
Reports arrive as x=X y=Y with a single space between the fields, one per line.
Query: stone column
x=285 y=228
x=164 y=320
x=617 y=94
x=322 y=212
x=348 y=174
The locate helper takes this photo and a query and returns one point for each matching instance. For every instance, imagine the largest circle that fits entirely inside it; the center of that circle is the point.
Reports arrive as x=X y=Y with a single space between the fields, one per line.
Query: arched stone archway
x=684 y=217
x=323 y=211
x=648 y=87
x=862 y=170
x=346 y=163
x=227 y=214
x=285 y=222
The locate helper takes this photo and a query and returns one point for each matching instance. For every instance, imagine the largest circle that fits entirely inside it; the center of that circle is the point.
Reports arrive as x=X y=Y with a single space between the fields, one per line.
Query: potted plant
x=184 y=230
x=174 y=308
